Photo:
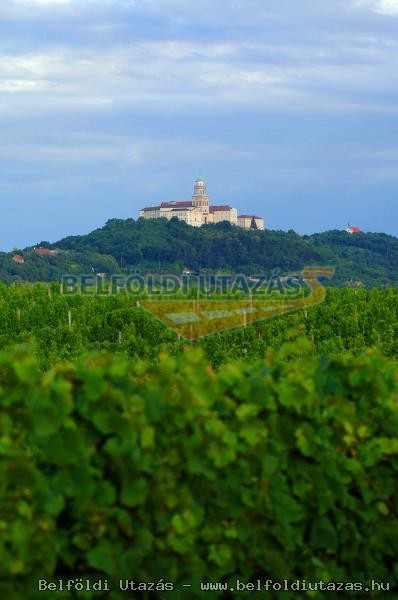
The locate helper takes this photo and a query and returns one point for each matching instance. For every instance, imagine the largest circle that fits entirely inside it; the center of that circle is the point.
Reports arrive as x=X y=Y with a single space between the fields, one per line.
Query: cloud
x=383 y=7
x=178 y=71
x=171 y=74
x=147 y=53
x=41 y=2
x=388 y=7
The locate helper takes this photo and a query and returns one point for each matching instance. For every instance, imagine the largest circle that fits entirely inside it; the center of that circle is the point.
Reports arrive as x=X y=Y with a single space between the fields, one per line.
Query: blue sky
x=289 y=109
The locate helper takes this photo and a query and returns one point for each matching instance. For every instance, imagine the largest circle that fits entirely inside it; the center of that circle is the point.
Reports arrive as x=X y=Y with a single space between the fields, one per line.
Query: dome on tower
x=200 y=179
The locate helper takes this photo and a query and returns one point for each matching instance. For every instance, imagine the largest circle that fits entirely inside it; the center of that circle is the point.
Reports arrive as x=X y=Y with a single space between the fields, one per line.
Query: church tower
x=200 y=197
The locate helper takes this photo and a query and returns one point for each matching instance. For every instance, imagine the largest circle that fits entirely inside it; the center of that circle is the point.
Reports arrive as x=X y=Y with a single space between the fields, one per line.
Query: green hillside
x=168 y=246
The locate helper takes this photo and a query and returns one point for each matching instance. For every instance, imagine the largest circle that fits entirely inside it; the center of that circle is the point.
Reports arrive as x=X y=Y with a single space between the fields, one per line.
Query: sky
x=288 y=108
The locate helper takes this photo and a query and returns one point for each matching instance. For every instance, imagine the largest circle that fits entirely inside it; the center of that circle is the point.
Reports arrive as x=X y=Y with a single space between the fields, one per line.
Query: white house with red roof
x=352 y=229
x=198 y=211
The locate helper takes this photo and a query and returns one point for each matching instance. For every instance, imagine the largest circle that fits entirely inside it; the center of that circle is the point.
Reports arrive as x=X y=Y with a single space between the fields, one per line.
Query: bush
x=283 y=469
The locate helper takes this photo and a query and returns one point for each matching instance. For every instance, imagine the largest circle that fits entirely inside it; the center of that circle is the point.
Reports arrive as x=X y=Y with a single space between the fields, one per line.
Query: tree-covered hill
x=169 y=246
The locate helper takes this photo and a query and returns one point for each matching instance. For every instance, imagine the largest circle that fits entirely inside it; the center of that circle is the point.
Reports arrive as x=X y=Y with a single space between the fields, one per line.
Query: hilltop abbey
x=198 y=212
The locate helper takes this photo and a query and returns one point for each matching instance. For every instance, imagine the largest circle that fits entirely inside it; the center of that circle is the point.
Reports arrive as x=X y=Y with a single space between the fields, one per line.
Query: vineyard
x=263 y=452
x=64 y=327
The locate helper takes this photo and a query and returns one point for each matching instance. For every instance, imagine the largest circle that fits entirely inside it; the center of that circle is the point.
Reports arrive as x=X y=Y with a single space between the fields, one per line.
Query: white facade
x=198 y=212
x=219 y=214
x=251 y=222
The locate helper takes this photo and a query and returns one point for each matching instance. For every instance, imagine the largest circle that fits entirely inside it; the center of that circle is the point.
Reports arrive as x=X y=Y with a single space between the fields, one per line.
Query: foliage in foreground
x=286 y=468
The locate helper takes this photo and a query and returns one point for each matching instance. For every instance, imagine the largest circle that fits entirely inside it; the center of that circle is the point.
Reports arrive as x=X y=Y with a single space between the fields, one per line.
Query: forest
x=170 y=246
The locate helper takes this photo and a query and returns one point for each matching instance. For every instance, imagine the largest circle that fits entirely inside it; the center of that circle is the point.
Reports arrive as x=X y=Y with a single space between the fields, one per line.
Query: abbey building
x=198 y=211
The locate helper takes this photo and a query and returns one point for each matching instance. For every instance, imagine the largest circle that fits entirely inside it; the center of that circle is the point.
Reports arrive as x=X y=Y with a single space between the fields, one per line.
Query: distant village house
x=351 y=229
x=19 y=259
x=44 y=251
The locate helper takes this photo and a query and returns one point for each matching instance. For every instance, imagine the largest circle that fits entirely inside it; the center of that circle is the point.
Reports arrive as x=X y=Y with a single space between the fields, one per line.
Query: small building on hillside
x=19 y=259
x=354 y=283
x=44 y=251
x=352 y=229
